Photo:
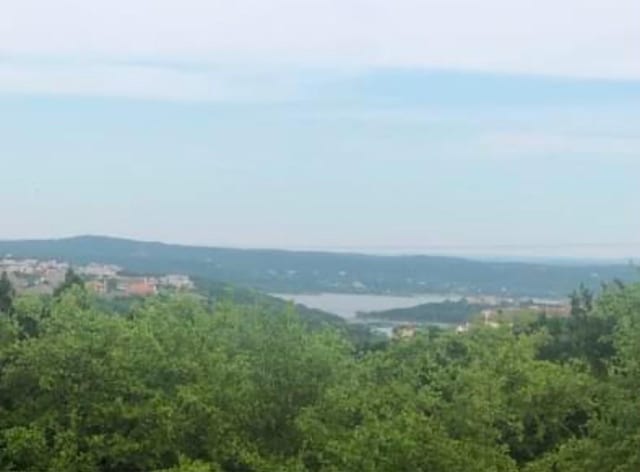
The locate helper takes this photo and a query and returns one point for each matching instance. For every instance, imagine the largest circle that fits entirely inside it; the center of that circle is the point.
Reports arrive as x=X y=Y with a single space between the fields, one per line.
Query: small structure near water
x=404 y=332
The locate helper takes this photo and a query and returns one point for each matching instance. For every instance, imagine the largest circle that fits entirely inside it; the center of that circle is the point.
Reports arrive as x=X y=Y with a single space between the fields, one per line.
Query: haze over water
x=348 y=305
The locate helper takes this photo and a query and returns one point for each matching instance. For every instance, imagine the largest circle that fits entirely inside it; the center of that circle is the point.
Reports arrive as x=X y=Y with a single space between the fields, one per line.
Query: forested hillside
x=179 y=384
x=290 y=271
x=445 y=312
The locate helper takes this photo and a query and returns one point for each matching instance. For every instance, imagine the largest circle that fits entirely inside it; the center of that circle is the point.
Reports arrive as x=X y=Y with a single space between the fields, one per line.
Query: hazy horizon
x=563 y=254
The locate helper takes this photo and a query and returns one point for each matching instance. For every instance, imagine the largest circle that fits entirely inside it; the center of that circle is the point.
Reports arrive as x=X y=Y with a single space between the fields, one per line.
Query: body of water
x=348 y=305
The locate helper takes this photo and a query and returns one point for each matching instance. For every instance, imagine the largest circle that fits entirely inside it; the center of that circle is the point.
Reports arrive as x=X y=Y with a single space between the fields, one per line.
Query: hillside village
x=32 y=276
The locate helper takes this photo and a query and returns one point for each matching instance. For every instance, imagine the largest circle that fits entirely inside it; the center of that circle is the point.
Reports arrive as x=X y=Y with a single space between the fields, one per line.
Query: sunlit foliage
x=183 y=385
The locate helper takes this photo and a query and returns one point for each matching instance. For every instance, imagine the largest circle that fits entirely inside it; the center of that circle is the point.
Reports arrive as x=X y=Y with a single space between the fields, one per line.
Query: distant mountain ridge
x=305 y=271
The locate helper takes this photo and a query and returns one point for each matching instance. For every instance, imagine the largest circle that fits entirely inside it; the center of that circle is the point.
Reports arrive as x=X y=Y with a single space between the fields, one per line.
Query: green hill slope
x=290 y=271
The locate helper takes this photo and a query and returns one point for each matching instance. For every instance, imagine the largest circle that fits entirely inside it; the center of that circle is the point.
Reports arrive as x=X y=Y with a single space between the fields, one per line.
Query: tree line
x=184 y=385
x=447 y=311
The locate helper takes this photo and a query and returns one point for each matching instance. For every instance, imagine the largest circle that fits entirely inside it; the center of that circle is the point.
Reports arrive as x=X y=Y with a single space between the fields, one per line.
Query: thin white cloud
x=580 y=38
x=77 y=78
x=527 y=144
x=127 y=81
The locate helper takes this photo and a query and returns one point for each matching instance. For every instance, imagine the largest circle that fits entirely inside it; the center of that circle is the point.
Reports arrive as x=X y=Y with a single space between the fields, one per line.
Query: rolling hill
x=295 y=272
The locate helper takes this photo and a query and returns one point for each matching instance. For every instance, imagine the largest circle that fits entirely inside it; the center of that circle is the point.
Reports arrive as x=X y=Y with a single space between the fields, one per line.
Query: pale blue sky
x=386 y=149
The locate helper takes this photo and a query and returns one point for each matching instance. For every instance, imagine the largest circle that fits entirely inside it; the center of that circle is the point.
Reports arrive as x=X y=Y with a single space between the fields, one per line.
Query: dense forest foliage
x=213 y=290
x=183 y=385
x=448 y=312
x=296 y=272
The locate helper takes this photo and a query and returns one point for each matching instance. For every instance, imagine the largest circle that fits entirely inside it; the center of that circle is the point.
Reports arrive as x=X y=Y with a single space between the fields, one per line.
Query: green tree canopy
x=174 y=384
x=7 y=294
x=71 y=279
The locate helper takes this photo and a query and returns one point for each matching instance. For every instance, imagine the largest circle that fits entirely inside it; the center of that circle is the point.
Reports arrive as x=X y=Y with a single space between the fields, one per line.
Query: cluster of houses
x=139 y=286
x=34 y=276
x=42 y=277
x=492 y=317
x=32 y=266
x=408 y=331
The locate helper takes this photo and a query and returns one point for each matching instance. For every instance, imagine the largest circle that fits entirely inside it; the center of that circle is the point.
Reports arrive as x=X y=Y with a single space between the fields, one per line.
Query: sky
x=507 y=127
